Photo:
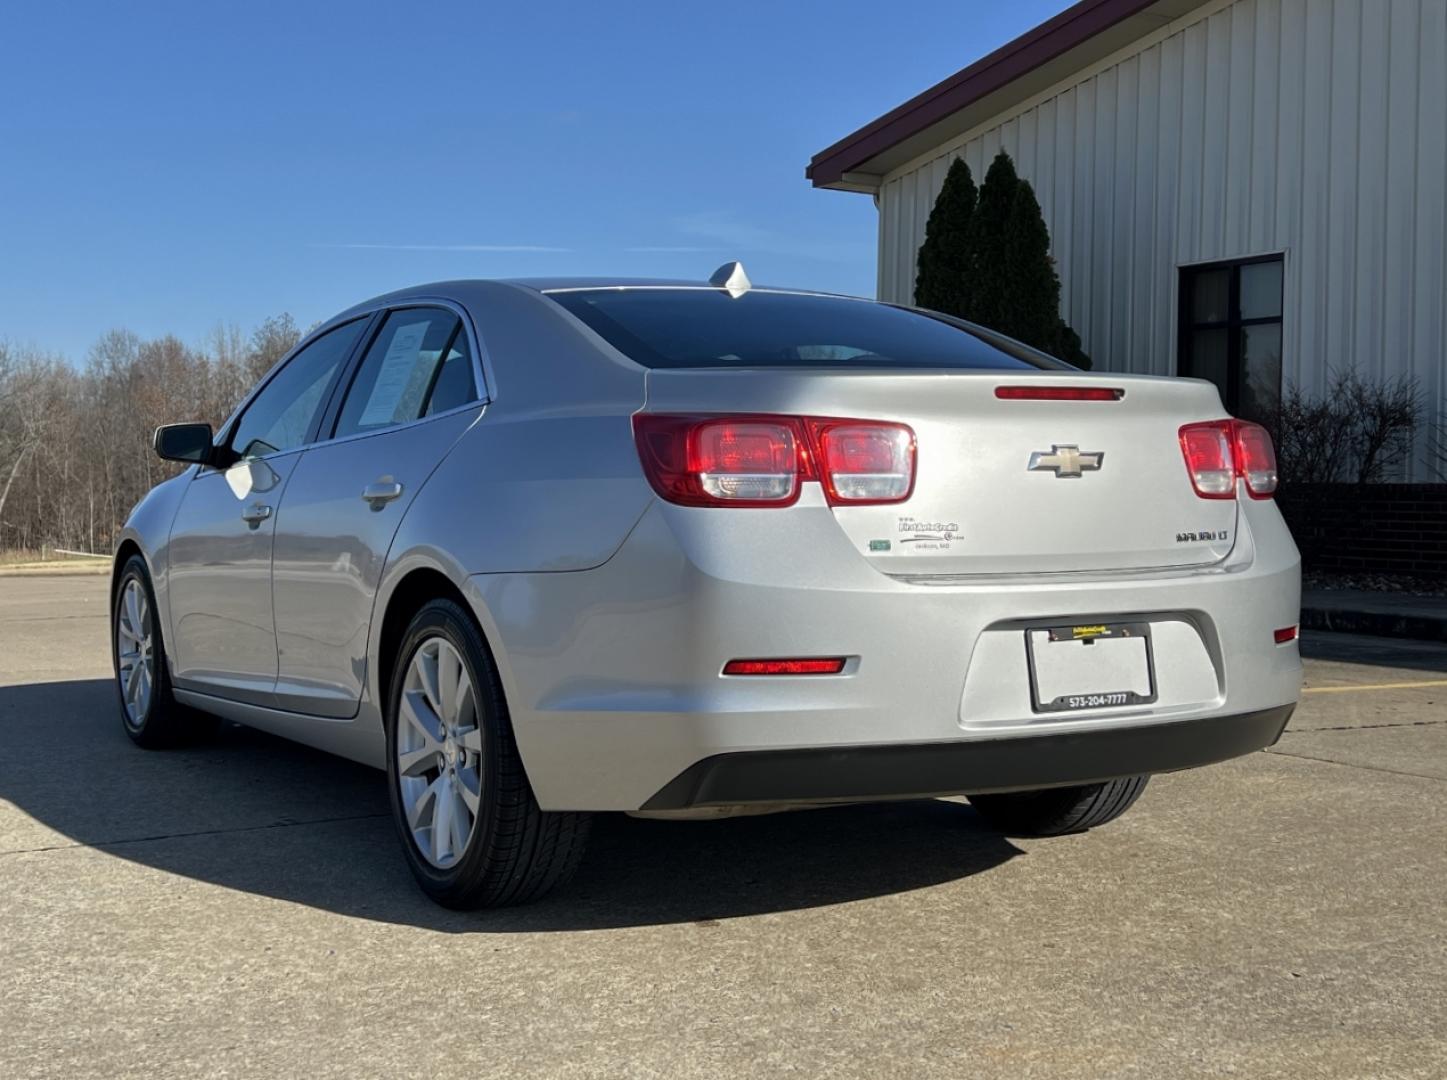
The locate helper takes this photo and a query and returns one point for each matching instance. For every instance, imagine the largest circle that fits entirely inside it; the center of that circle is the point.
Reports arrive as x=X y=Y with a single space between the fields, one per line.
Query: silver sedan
x=541 y=548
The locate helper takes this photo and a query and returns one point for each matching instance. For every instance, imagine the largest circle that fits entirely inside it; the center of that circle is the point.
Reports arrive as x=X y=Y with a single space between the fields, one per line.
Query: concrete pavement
x=241 y=909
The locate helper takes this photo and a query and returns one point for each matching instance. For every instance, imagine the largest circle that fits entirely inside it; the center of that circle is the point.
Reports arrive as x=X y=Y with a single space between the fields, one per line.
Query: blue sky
x=172 y=166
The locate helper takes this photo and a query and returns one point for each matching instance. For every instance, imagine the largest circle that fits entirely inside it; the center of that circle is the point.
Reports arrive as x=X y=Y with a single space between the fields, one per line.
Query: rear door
x=411 y=395
x=223 y=637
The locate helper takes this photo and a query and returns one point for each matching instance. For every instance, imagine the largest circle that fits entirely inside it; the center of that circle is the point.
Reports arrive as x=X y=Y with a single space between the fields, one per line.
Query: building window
x=1231 y=332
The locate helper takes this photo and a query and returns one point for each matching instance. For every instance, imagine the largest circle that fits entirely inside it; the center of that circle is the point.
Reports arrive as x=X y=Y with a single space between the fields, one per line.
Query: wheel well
x=417 y=588
x=123 y=555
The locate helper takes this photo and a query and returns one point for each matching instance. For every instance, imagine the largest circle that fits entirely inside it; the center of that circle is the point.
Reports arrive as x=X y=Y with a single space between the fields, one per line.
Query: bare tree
x=1356 y=431
x=270 y=341
x=75 y=443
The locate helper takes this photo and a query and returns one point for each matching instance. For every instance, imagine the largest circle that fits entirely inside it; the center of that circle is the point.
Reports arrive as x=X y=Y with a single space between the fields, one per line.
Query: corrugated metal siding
x=1313 y=127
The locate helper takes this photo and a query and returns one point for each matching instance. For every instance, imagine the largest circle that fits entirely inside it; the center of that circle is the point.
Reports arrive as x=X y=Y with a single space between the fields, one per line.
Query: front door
x=223 y=630
x=413 y=395
x=223 y=640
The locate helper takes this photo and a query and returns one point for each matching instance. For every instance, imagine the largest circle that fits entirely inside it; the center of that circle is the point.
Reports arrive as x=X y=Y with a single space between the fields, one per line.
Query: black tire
x=164 y=723
x=1058 y=811
x=516 y=853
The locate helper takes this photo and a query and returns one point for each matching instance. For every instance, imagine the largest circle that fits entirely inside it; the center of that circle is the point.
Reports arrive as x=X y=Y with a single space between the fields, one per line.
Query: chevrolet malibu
x=542 y=548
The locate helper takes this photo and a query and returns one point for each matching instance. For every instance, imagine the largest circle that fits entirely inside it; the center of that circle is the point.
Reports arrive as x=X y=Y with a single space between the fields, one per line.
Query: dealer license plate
x=1090 y=666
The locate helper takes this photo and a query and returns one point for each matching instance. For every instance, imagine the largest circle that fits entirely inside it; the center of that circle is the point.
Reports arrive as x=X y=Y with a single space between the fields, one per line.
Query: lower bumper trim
x=922 y=770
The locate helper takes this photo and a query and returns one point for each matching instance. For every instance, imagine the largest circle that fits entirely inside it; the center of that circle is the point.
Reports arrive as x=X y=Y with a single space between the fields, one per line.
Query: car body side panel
x=537 y=485
x=330 y=548
x=534 y=485
x=548 y=479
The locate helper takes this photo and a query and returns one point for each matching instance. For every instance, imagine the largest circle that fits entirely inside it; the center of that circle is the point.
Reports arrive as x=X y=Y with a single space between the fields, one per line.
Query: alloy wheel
x=439 y=752
x=135 y=652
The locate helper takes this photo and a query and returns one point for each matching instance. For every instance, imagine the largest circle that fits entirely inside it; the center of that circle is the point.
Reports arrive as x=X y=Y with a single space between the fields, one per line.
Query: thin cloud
x=670 y=249
x=494 y=248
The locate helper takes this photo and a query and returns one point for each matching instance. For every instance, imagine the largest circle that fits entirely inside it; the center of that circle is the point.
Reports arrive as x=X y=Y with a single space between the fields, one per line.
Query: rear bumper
x=614 y=681
x=853 y=774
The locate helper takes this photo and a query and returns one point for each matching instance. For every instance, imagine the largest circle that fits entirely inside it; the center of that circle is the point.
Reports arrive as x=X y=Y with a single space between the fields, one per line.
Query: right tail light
x=1218 y=452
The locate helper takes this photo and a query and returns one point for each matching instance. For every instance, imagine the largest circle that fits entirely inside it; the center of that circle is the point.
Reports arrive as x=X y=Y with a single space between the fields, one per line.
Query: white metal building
x=1189 y=155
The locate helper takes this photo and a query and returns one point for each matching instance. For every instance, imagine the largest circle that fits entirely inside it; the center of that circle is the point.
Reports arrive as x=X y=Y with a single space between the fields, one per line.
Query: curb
x=1375 y=623
x=54 y=571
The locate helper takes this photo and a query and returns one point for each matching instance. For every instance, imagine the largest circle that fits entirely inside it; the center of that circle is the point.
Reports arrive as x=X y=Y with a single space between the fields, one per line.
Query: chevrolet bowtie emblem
x=1065 y=461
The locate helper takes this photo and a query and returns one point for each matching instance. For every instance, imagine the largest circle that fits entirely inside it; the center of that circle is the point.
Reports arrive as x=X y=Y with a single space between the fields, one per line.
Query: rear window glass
x=682 y=328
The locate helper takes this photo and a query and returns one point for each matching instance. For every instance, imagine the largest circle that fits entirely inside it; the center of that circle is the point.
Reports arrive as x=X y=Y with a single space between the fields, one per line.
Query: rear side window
x=419 y=364
x=685 y=328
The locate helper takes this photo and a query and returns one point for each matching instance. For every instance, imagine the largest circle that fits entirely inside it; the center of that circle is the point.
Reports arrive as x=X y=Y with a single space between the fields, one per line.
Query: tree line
x=75 y=441
x=986 y=258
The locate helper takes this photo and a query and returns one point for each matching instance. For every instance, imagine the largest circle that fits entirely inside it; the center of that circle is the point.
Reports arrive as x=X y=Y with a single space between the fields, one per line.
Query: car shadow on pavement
x=256 y=813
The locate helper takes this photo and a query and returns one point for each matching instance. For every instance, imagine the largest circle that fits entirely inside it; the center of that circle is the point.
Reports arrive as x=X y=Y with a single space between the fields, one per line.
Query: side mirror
x=183 y=442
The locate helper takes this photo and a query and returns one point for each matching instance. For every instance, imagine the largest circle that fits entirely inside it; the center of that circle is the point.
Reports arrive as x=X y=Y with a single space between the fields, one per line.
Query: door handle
x=255 y=514
x=380 y=492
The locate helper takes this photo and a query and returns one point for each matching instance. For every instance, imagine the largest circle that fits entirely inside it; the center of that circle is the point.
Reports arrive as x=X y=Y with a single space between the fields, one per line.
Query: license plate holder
x=1090 y=666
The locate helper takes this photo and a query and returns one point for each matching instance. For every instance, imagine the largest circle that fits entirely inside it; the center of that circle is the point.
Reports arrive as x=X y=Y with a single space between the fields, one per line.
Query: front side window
x=281 y=416
x=693 y=327
x=1231 y=333
x=419 y=364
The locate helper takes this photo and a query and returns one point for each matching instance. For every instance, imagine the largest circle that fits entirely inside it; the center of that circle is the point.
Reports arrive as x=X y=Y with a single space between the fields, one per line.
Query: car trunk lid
x=1004 y=486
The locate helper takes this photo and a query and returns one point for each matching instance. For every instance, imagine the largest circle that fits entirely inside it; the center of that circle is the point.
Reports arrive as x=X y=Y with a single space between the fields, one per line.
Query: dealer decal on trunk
x=927 y=535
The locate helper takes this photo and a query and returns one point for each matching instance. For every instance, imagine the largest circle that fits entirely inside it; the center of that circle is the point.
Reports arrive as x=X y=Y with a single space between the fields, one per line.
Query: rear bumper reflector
x=829 y=665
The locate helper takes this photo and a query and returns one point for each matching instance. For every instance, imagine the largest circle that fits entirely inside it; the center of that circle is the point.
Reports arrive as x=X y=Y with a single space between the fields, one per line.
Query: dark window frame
x=1187 y=327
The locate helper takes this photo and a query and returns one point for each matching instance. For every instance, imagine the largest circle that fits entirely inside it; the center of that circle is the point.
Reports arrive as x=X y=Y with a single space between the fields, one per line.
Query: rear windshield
x=685 y=328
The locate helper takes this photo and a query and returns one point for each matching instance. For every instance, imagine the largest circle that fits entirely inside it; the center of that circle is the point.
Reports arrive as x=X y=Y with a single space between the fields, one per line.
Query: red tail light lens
x=1219 y=451
x=762 y=460
x=1059 y=393
x=1255 y=459
x=832 y=665
x=864 y=462
x=1285 y=635
x=720 y=461
x=745 y=461
x=1210 y=459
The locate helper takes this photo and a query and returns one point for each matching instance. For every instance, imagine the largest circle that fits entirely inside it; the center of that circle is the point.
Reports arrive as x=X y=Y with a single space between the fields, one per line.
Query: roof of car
x=560 y=284
x=553 y=284
x=462 y=288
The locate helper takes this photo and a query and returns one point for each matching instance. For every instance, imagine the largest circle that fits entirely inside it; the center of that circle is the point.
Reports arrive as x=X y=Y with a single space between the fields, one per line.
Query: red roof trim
x=1073 y=26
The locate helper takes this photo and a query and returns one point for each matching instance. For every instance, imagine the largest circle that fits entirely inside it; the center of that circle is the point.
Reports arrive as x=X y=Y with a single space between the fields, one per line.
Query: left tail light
x=762 y=461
